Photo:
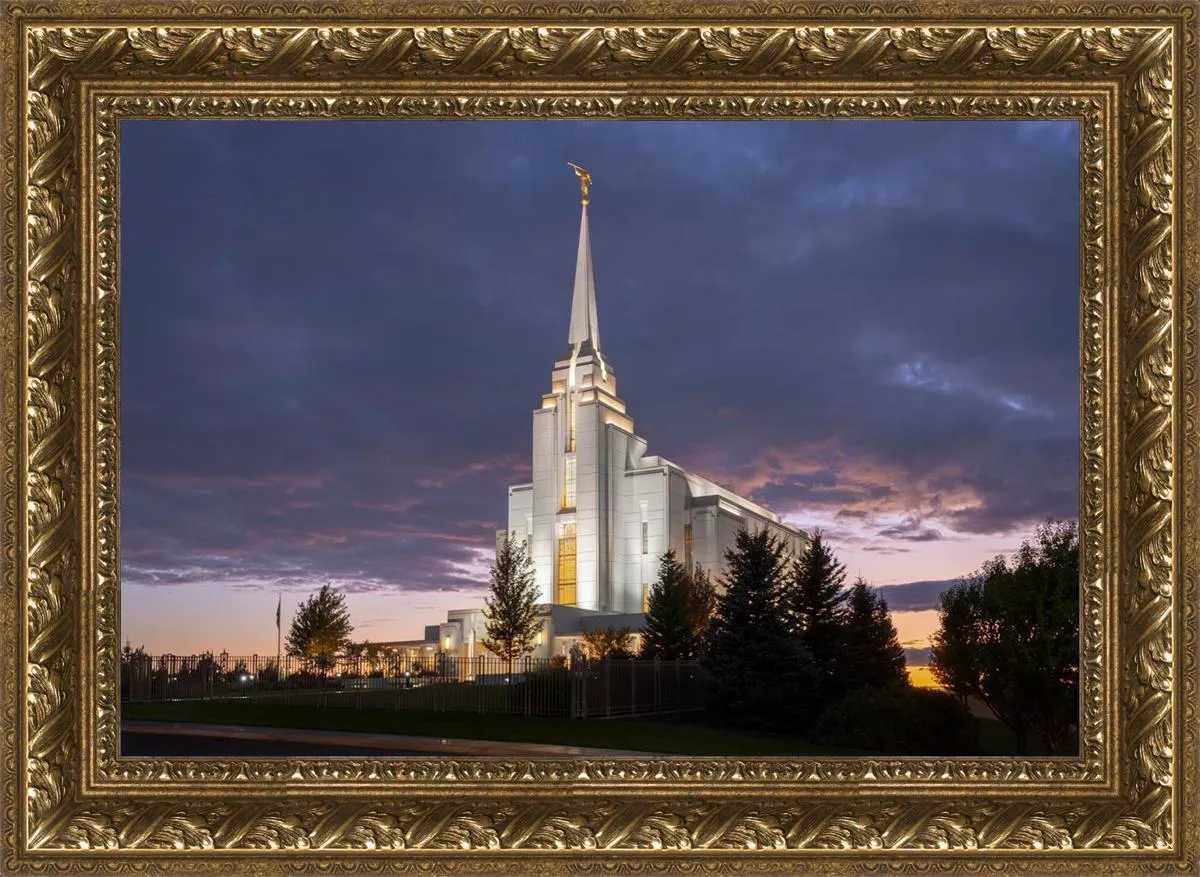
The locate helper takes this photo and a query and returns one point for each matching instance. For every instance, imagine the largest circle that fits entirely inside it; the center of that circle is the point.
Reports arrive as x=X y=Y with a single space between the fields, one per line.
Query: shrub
x=900 y=721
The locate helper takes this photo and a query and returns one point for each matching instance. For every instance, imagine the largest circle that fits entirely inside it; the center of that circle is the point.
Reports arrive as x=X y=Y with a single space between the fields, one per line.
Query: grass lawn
x=646 y=735
x=679 y=734
x=995 y=738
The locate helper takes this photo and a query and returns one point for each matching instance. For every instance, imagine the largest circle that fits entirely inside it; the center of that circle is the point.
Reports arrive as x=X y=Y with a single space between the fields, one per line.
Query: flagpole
x=278 y=639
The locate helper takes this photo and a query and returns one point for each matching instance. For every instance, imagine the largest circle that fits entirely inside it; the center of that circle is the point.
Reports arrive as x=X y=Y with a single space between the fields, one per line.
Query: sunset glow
x=334 y=335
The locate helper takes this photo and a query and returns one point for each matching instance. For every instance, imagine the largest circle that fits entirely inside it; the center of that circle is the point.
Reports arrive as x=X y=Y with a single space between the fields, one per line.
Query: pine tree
x=816 y=609
x=320 y=629
x=670 y=632
x=511 y=622
x=871 y=650
x=761 y=671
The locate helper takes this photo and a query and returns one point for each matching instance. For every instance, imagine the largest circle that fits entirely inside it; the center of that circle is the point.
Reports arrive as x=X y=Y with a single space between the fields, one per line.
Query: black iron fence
x=436 y=681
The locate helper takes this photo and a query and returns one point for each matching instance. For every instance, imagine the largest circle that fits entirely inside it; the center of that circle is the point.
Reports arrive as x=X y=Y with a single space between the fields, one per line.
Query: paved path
x=140 y=744
x=262 y=739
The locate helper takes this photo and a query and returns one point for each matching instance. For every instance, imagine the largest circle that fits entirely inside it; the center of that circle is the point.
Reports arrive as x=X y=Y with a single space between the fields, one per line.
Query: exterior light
x=447 y=642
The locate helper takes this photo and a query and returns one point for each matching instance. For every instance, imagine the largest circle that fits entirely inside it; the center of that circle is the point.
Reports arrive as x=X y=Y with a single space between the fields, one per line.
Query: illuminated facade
x=600 y=512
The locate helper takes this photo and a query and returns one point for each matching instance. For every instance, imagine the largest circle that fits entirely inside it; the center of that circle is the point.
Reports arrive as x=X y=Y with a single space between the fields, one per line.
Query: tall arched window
x=566 y=565
x=568 y=501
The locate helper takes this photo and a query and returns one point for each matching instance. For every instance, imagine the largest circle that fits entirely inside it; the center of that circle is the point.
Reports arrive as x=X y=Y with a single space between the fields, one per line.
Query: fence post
x=632 y=686
x=607 y=688
x=658 y=685
x=480 y=688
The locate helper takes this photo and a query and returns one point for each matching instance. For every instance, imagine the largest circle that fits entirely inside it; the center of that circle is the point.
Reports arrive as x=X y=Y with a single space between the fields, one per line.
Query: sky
x=334 y=335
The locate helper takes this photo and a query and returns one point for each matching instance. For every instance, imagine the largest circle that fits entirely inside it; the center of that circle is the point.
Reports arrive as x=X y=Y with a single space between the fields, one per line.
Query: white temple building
x=600 y=512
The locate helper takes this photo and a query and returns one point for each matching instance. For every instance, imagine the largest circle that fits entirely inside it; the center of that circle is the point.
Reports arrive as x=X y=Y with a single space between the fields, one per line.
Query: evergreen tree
x=670 y=632
x=762 y=674
x=816 y=608
x=871 y=654
x=511 y=617
x=320 y=629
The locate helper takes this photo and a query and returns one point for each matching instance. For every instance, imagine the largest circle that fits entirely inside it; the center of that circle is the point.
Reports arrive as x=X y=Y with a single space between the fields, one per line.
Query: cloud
x=912 y=530
x=917 y=657
x=857 y=324
x=914 y=596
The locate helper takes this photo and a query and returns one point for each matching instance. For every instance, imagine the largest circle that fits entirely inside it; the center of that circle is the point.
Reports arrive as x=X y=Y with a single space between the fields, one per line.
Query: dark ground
x=138 y=744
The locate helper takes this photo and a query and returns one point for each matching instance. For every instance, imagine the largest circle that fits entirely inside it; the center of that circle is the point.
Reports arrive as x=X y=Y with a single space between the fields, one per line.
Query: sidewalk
x=433 y=745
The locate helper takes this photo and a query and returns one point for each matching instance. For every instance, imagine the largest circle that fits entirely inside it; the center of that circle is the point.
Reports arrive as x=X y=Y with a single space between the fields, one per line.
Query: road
x=139 y=744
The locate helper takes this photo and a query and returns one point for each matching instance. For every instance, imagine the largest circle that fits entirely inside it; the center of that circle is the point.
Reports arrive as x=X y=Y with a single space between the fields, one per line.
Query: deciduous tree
x=608 y=643
x=1010 y=636
x=702 y=602
x=320 y=629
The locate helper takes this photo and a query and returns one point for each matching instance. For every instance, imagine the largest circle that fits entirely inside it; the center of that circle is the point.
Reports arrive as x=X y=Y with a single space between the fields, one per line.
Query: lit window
x=566 y=565
x=571 y=424
x=645 y=597
x=569 y=482
x=528 y=544
x=645 y=537
x=687 y=545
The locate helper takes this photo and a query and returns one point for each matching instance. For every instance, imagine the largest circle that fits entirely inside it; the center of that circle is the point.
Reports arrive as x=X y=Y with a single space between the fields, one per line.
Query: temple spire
x=584 y=335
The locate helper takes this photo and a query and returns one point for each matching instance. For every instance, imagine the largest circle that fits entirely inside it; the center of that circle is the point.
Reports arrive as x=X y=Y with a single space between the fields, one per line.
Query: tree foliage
x=902 y=721
x=815 y=603
x=1010 y=636
x=511 y=621
x=761 y=672
x=372 y=654
x=870 y=650
x=671 y=614
x=702 y=602
x=608 y=643
x=320 y=629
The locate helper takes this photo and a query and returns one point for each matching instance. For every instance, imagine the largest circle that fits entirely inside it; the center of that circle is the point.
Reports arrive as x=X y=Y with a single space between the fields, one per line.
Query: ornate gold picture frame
x=73 y=71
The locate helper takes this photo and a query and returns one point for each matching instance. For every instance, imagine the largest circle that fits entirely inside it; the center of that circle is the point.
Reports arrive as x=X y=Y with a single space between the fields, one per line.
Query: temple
x=600 y=511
